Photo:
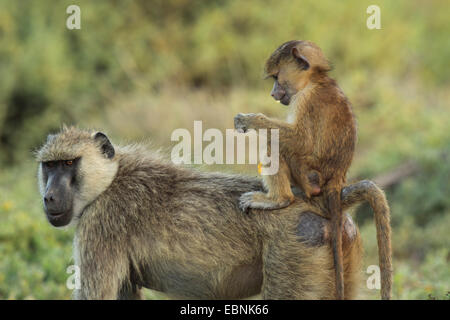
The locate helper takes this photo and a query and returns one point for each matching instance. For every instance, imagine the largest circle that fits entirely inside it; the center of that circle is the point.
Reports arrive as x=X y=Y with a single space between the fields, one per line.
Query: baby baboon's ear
x=304 y=63
x=105 y=145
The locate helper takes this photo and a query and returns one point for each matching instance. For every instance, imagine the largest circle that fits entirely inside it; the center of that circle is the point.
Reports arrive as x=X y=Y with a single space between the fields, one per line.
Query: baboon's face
x=75 y=168
x=282 y=91
x=289 y=78
x=61 y=183
x=292 y=67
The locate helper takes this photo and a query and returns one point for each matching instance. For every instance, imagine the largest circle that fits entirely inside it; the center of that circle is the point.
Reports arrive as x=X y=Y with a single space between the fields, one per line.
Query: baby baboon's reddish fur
x=316 y=143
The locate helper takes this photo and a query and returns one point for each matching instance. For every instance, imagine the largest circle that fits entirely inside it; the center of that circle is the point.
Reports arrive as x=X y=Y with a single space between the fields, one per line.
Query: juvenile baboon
x=316 y=143
x=143 y=222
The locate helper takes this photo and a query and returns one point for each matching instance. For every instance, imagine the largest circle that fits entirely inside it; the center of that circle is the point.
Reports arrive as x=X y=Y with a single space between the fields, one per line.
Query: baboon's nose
x=49 y=196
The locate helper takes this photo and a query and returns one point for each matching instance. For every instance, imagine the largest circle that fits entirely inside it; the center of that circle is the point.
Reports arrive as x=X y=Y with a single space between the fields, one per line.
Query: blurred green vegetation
x=140 y=69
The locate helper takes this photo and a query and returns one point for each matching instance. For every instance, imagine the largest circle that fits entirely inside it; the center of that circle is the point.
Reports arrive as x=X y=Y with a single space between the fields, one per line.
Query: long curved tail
x=335 y=208
x=368 y=191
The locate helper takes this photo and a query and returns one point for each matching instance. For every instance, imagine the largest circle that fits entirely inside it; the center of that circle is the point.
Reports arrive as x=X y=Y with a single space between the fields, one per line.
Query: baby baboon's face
x=281 y=91
x=288 y=80
x=292 y=66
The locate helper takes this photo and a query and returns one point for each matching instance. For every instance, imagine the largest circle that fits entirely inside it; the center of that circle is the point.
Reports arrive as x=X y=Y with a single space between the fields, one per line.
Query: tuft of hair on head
x=283 y=52
x=67 y=144
x=306 y=53
x=71 y=142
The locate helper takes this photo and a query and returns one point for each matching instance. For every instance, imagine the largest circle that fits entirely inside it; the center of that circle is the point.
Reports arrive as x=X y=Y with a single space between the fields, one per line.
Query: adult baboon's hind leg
x=295 y=270
x=299 y=265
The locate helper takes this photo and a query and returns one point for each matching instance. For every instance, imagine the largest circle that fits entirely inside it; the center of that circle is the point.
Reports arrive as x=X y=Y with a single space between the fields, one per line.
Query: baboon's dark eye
x=68 y=162
x=49 y=164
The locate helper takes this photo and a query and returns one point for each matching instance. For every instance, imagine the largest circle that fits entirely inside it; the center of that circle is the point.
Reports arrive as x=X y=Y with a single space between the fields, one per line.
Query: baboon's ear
x=304 y=63
x=105 y=145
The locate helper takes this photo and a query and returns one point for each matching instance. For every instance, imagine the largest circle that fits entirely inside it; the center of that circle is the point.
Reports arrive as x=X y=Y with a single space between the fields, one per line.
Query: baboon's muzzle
x=58 y=199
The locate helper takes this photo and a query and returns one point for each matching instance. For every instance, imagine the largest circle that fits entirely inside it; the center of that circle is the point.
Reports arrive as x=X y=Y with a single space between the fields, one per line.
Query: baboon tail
x=368 y=191
x=335 y=208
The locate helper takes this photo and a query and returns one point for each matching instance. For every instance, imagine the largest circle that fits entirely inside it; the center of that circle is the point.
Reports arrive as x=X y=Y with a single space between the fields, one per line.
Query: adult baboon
x=144 y=222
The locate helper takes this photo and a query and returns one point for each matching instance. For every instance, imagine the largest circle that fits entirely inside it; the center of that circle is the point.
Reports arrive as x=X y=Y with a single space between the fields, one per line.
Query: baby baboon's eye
x=69 y=162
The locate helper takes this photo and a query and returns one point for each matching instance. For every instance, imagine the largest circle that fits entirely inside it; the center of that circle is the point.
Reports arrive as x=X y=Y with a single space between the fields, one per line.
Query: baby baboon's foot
x=311 y=191
x=315 y=191
x=259 y=200
x=313 y=187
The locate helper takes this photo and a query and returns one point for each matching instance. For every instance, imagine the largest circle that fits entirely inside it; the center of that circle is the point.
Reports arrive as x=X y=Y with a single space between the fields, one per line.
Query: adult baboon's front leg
x=100 y=283
x=103 y=269
x=130 y=291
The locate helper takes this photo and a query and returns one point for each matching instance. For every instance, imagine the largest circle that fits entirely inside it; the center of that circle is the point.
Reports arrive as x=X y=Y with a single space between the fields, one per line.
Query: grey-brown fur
x=180 y=231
